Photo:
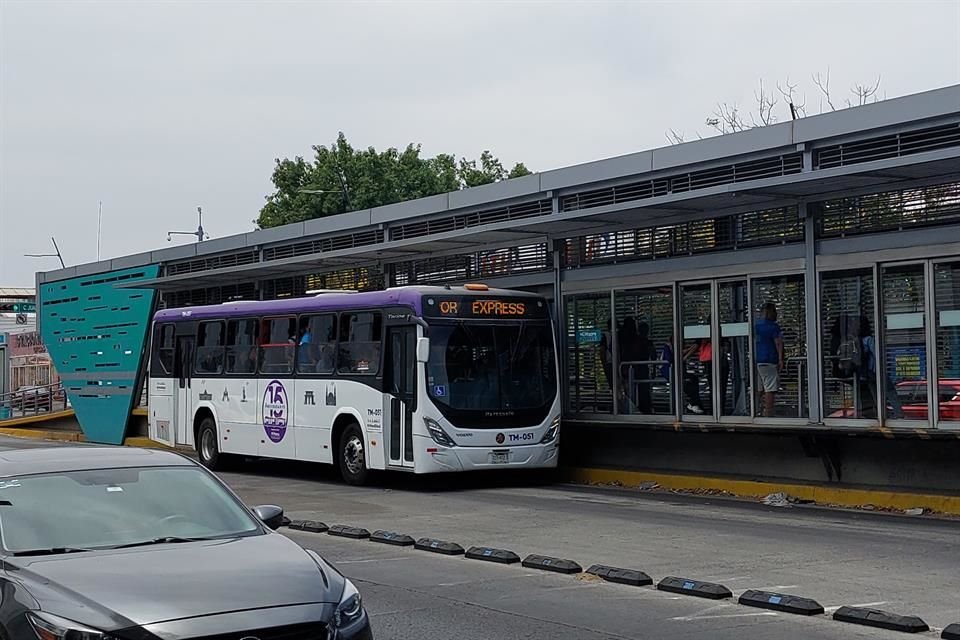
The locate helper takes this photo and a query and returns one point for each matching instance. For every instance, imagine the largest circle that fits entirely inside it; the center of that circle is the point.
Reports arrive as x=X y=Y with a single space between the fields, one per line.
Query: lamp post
x=199 y=234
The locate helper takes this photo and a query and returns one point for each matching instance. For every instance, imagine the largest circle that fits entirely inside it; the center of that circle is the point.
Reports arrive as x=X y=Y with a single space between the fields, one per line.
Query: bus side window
x=163 y=351
x=277 y=345
x=316 y=350
x=209 y=358
x=360 y=335
x=241 y=346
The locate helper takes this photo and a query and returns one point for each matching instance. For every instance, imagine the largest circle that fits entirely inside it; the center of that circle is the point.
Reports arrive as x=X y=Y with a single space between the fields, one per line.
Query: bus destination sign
x=475 y=307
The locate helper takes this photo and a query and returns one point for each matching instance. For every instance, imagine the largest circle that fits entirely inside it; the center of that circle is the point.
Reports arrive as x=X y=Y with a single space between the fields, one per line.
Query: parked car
x=913 y=401
x=133 y=544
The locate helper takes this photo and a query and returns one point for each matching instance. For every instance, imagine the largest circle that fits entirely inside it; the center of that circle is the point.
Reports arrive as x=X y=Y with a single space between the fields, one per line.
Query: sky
x=156 y=108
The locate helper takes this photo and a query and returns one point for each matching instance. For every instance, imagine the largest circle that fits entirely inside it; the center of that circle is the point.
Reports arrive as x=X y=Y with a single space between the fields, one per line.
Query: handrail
x=30 y=402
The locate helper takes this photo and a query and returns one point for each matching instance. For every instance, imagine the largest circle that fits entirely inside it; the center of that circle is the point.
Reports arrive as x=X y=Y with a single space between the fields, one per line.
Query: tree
x=341 y=178
x=729 y=118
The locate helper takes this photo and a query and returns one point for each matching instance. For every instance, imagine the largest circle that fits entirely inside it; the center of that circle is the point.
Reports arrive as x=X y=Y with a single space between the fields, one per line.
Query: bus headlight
x=552 y=432
x=438 y=434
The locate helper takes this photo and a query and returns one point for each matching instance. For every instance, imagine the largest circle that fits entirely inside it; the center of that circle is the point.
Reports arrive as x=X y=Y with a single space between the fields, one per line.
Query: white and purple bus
x=421 y=379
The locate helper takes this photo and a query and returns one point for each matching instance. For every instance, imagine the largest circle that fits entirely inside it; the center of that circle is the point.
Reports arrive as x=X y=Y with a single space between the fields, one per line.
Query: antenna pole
x=54 y=240
x=99 y=228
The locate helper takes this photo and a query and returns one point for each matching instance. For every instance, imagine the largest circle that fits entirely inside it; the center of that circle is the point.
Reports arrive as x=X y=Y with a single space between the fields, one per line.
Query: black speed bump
x=781 y=602
x=344 y=531
x=621 y=576
x=952 y=632
x=880 y=619
x=501 y=556
x=438 y=546
x=546 y=563
x=689 y=587
x=392 y=537
x=307 y=525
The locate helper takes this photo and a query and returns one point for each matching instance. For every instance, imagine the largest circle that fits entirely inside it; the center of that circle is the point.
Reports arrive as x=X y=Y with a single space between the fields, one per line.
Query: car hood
x=145 y=585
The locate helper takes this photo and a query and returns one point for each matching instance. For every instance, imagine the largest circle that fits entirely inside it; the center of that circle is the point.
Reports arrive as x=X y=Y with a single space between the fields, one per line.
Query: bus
x=418 y=379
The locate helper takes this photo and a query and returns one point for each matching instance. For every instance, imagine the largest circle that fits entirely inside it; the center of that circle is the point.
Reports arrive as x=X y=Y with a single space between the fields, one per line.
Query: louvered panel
x=889 y=211
x=888 y=146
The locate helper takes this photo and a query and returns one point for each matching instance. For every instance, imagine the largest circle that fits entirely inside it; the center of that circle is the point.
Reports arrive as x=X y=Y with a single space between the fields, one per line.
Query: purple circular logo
x=275 y=411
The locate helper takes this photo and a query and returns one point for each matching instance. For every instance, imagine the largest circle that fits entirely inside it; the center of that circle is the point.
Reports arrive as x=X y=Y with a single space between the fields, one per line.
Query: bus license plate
x=499 y=457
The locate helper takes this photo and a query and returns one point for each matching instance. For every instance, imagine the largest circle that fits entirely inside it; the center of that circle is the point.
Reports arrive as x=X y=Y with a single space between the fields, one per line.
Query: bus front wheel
x=352 y=456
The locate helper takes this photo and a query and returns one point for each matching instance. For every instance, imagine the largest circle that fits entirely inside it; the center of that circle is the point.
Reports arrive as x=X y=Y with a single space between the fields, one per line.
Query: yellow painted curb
x=140 y=411
x=40 y=417
x=145 y=443
x=42 y=434
x=846 y=497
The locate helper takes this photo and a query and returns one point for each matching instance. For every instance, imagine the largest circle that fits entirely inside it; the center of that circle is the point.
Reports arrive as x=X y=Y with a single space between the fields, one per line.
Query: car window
x=111 y=507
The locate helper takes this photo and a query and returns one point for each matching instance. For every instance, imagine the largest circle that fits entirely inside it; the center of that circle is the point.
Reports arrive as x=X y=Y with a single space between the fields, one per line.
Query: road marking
x=371 y=560
x=865 y=604
x=695 y=618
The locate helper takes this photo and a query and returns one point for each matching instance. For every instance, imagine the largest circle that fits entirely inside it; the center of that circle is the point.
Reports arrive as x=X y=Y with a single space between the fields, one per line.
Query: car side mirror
x=423 y=350
x=271 y=515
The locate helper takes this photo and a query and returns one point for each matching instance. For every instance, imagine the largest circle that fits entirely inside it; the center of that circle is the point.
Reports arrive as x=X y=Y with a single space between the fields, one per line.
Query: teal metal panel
x=96 y=334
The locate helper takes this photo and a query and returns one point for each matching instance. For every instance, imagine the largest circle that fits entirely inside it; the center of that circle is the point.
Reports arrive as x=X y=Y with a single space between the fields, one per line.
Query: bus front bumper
x=539 y=456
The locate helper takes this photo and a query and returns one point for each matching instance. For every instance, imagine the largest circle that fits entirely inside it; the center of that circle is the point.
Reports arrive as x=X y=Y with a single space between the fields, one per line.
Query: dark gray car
x=131 y=544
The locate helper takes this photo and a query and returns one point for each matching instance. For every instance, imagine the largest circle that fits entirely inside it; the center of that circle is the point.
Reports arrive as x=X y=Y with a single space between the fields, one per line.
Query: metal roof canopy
x=747 y=196
x=806 y=136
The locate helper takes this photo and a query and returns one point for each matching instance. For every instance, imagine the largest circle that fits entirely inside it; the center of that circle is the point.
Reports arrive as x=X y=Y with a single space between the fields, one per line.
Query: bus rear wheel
x=352 y=458
x=208 y=446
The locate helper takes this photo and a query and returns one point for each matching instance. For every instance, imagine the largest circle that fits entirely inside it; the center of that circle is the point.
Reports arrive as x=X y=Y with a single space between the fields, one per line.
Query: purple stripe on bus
x=401 y=296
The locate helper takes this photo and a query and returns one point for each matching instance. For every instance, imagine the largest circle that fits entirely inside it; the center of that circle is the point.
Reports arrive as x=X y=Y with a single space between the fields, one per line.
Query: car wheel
x=208 y=445
x=352 y=456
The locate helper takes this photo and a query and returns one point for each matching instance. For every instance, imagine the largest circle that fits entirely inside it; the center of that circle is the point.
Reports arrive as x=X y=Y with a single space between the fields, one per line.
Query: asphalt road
x=904 y=565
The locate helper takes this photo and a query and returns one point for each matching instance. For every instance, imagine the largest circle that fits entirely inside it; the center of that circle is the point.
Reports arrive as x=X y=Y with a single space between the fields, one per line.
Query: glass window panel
x=735 y=358
x=847 y=324
x=904 y=359
x=360 y=336
x=589 y=354
x=277 y=345
x=946 y=291
x=317 y=339
x=696 y=349
x=644 y=343
x=209 y=355
x=787 y=294
x=242 y=346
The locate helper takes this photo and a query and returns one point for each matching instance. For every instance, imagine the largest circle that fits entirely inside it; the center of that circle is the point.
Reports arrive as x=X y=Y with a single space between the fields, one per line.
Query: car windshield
x=116 y=507
x=491 y=367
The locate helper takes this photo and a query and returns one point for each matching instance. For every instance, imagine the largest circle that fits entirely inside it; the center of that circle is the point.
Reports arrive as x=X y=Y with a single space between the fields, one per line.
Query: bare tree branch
x=727 y=119
x=674 y=137
x=866 y=93
x=765 y=104
x=824 y=84
x=797 y=108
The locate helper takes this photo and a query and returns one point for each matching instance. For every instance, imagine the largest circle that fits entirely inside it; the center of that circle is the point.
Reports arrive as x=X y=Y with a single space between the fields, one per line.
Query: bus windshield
x=498 y=368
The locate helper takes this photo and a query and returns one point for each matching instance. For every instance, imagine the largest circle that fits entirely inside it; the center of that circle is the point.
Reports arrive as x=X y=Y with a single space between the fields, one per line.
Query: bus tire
x=208 y=445
x=351 y=456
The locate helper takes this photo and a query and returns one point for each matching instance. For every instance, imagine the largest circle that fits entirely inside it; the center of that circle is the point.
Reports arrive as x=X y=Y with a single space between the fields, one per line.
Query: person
x=645 y=352
x=606 y=354
x=627 y=346
x=769 y=354
x=691 y=381
x=894 y=407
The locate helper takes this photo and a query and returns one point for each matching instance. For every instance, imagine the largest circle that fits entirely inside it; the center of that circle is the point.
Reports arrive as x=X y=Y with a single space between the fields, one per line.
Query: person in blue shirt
x=768 y=340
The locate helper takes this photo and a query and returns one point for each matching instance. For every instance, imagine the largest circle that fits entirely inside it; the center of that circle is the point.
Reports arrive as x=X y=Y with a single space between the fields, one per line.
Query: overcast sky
x=156 y=108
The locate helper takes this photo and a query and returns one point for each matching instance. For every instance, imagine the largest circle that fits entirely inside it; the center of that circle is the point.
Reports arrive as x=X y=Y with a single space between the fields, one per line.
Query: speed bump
x=952 y=632
x=344 y=531
x=621 y=576
x=880 y=619
x=501 y=556
x=392 y=537
x=312 y=526
x=781 y=602
x=546 y=563
x=690 y=587
x=439 y=546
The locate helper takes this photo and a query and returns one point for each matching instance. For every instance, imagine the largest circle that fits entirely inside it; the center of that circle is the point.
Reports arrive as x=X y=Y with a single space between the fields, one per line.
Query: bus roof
x=411 y=296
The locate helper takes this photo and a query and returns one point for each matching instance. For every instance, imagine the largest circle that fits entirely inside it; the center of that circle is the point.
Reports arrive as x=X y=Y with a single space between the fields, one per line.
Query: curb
x=41 y=434
x=786 y=603
x=40 y=417
x=952 y=632
x=842 y=496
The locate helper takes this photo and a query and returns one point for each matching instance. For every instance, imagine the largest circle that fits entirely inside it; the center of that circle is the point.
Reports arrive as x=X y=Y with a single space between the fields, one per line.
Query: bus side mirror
x=423 y=349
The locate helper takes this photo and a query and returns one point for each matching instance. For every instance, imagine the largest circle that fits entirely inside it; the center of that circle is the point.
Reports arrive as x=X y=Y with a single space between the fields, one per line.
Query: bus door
x=400 y=394
x=183 y=394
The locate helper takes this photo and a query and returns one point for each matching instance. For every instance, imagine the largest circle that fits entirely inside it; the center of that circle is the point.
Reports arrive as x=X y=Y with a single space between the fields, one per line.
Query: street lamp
x=343 y=192
x=200 y=234
x=48 y=255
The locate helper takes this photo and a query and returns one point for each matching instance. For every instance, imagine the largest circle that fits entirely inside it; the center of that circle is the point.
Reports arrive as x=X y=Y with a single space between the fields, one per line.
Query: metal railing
x=33 y=401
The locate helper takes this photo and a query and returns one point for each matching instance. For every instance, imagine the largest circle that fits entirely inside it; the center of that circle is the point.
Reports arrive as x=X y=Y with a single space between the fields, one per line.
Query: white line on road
x=865 y=604
x=371 y=560
x=724 y=615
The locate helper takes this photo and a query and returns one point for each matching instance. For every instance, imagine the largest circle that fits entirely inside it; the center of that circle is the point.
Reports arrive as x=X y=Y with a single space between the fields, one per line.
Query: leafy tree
x=341 y=178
